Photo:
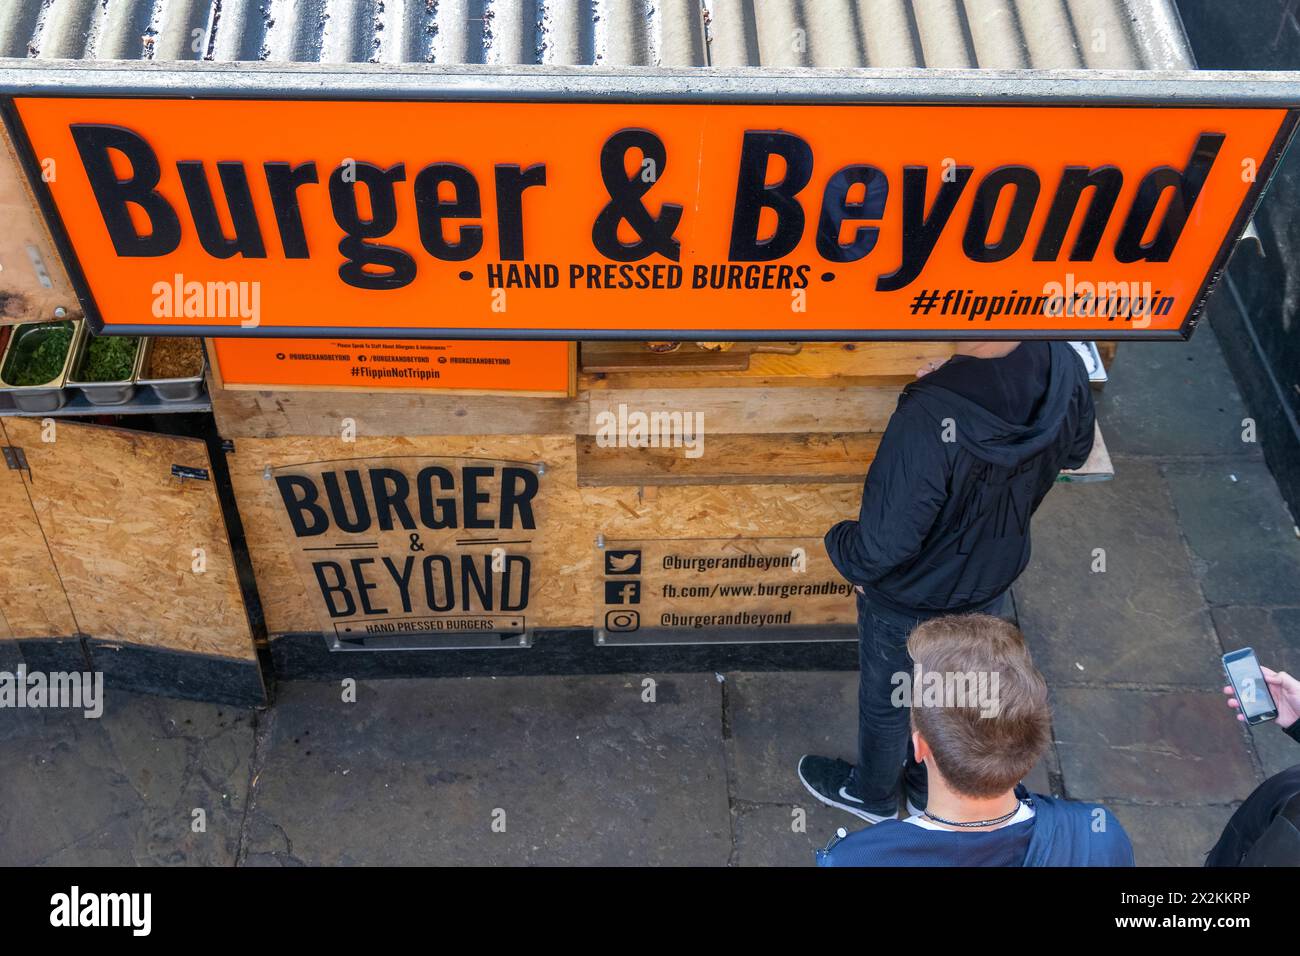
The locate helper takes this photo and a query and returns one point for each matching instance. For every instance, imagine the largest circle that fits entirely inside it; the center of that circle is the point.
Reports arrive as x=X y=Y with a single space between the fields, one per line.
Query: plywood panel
x=31 y=595
x=27 y=293
x=848 y=363
x=122 y=532
x=1098 y=467
x=732 y=460
x=258 y=414
x=569 y=517
x=756 y=411
x=828 y=387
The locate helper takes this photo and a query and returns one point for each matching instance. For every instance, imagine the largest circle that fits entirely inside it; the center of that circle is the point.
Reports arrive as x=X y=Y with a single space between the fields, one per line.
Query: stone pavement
x=1200 y=556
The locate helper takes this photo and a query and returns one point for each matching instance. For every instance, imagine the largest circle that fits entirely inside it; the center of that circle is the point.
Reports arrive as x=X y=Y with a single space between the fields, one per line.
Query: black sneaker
x=916 y=801
x=830 y=781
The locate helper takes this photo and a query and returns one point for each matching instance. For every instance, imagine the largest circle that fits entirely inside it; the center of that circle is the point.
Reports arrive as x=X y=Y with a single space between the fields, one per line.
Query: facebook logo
x=622 y=592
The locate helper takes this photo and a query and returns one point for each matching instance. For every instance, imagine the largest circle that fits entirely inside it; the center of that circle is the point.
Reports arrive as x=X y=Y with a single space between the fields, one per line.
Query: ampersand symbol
x=655 y=232
x=415 y=543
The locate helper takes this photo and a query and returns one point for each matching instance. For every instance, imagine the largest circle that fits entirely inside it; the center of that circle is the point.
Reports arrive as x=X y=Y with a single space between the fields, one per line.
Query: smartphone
x=1247 y=680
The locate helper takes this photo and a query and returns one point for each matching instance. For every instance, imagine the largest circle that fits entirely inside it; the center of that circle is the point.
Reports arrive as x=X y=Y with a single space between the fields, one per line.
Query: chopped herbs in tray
x=39 y=354
x=108 y=359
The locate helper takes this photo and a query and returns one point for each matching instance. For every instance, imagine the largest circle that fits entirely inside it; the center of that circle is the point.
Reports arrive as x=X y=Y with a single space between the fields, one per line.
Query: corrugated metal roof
x=993 y=34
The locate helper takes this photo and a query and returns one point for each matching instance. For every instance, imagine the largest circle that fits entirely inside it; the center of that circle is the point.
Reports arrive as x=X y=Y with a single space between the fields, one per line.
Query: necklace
x=977 y=824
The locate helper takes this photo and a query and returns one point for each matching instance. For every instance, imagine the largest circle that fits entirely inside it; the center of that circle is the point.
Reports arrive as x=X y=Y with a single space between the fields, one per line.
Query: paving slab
x=1276 y=751
x=535 y=770
x=122 y=789
x=1179 y=747
x=1274 y=633
x=1172 y=836
x=1172 y=399
x=766 y=834
x=774 y=719
x=1142 y=620
x=1241 y=535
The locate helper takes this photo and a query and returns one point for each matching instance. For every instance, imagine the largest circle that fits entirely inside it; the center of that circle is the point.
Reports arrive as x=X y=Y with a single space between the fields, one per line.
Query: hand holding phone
x=1249 y=687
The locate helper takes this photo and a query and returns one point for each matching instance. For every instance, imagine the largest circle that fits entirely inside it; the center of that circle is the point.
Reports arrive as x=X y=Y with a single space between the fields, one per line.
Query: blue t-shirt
x=1061 y=833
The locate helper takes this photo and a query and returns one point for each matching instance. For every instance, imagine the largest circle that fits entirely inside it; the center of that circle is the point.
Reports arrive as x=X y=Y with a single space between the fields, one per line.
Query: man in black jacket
x=968 y=456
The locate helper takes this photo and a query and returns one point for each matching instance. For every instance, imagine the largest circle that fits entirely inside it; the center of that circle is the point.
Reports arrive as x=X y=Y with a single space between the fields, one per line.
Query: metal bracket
x=16 y=459
x=197 y=474
x=345 y=642
x=38 y=267
x=1251 y=235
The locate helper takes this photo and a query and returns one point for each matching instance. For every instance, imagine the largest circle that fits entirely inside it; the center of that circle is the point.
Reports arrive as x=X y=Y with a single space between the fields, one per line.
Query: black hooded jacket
x=944 y=525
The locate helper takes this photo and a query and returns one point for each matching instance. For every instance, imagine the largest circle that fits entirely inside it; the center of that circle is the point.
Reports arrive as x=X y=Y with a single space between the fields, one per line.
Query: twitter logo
x=622 y=562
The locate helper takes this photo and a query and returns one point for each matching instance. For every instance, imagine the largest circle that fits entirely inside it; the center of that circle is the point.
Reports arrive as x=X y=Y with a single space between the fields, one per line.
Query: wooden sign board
x=644 y=208
x=33 y=285
x=410 y=553
x=518 y=368
x=720 y=590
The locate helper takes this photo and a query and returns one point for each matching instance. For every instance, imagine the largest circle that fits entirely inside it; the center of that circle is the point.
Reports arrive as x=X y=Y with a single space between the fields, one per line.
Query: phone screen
x=1248 y=681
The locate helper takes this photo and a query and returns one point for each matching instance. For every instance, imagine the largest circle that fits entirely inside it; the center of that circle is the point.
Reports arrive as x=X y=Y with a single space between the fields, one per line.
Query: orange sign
x=688 y=220
x=532 y=368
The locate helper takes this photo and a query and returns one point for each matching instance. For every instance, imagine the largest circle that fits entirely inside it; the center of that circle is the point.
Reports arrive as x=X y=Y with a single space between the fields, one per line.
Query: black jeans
x=1276 y=796
x=885 y=731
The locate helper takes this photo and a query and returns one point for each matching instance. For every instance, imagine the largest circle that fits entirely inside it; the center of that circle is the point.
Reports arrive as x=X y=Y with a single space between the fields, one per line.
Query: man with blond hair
x=980 y=722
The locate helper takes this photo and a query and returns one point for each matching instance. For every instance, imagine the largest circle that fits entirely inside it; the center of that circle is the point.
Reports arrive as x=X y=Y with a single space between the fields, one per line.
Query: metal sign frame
x=700 y=85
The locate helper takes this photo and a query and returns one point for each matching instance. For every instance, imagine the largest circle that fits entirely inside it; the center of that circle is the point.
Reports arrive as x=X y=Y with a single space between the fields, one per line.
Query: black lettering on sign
x=518 y=489
x=299 y=494
x=142 y=213
x=1105 y=183
x=436 y=513
x=754 y=194
x=356 y=500
x=390 y=489
x=378 y=577
x=247 y=241
x=114 y=195
x=1186 y=186
x=339 y=509
x=283 y=181
x=439 y=586
x=921 y=230
x=511 y=183
x=402 y=579
x=396 y=267
x=332 y=581
x=431 y=211
x=655 y=233
x=836 y=210
x=466 y=581
x=976 y=243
